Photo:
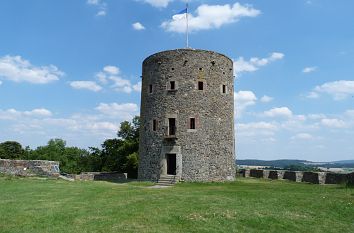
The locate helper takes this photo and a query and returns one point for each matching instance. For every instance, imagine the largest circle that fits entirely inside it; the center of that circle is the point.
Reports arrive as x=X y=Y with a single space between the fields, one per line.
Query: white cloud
x=256 y=129
x=13 y=114
x=313 y=95
x=101 y=5
x=339 y=90
x=39 y=112
x=241 y=65
x=111 y=69
x=110 y=75
x=115 y=109
x=138 y=26
x=137 y=87
x=121 y=85
x=257 y=126
x=0 y=82
x=309 y=69
x=101 y=13
x=210 y=16
x=243 y=99
x=350 y=112
x=78 y=129
x=17 y=69
x=266 y=99
x=278 y=112
x=93 y=2
x=88 y=85
x=316 y=116
x=333 y=123
x=302 y=136
x=158 y=3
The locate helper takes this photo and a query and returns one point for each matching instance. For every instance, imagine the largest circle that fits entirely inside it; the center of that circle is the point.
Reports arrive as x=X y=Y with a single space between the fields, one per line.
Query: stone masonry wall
x=29 y=167
x=205 y=153
x=299 y=176
x=103 y=176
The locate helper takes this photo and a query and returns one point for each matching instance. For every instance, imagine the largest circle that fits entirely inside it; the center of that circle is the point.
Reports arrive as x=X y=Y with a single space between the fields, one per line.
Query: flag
x=184 y=11
x=180 y=15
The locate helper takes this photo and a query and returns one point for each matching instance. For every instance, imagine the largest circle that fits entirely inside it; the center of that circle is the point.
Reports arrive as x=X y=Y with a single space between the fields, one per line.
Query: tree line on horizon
x=115 y=155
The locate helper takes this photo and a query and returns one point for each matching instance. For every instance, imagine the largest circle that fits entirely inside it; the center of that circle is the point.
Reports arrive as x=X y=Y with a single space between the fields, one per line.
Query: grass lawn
x=247 y=205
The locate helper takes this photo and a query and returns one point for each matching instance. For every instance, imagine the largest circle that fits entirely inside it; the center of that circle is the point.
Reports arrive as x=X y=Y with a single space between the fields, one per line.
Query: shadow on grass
x=133 y=182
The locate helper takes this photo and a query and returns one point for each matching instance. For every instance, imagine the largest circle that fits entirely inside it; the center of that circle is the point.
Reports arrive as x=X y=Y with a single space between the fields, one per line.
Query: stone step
x=167 y=180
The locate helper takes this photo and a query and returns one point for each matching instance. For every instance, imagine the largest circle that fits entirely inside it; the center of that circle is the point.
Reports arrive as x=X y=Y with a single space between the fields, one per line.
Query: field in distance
x=246 y=205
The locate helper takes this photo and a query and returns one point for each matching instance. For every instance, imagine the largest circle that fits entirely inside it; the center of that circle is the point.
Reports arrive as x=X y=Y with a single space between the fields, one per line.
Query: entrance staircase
x=167 y=180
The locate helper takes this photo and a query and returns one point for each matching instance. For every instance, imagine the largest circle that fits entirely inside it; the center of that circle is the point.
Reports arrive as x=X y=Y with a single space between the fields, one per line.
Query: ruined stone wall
x=103 y=176
x=256 y=173
x=299 y=176
x=207 y=152
x=29 y=167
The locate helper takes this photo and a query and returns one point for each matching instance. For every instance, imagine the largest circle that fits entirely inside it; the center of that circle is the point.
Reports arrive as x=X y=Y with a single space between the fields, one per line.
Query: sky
x=71 y=69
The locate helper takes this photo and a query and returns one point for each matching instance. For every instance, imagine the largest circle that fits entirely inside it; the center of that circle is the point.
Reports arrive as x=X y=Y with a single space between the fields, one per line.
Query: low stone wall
x=298 y=176
x=290 y=175
x=256 y=173
x=335 y=178
x=273 y=175
x=310 y=177
x=29 y=167
x=104 y=176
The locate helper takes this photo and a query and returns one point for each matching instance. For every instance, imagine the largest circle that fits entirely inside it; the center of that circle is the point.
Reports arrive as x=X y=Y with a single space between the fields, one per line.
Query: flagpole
x=187 y=28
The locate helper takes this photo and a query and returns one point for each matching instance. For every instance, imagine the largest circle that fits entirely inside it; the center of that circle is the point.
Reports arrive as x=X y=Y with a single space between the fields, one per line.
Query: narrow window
x=150 y=88
x=172 y=85
x=223 y=89
x=171 y=126
x=192 y=123
x=200 y=85
x=154 y=125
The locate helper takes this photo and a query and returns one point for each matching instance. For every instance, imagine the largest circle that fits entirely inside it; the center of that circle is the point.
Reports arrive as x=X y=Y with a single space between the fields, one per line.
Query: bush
x=132 y=165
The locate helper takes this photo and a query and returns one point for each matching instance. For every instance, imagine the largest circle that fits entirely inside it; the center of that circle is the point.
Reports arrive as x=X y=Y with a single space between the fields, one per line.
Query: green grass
x=247 y=205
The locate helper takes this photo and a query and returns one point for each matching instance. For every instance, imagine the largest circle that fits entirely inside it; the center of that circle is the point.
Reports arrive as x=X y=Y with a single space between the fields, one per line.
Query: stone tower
x=187 y=116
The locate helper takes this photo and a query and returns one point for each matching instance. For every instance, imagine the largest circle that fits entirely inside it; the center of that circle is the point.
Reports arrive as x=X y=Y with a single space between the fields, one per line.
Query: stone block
x=310 y=177
x=335 y=178
x=273 y=175
x=290 y=175
x=257 y=173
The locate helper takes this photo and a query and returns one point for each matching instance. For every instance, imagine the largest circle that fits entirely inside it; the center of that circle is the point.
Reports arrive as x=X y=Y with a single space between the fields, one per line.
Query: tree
x=11 y=150
x=130 y=131
x=121 y=154
x=132 y=165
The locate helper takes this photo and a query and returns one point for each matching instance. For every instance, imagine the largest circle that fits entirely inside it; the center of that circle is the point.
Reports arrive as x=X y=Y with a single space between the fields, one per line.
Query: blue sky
x=71 y=69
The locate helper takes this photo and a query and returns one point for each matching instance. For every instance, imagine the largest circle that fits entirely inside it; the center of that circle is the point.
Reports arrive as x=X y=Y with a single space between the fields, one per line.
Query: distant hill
x=344 y=161
x=291 y=162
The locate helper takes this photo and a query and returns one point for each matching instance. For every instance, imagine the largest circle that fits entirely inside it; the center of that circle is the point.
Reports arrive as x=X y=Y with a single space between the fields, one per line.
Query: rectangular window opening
x=200 y=85
x=154 y=125
x=172 y=85
x=171 y=126
x=192 y=123
x=223 y=89
x=150 y=88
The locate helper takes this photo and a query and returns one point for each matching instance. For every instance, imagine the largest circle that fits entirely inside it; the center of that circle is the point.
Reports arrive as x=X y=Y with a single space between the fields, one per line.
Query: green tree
x=130 y=131
x=11 y=150
x=132 y=165
x=121 y=154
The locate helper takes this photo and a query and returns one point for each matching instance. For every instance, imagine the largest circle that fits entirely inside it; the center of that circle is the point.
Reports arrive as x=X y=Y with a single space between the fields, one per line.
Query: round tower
x=187 y=116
